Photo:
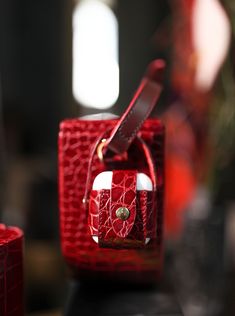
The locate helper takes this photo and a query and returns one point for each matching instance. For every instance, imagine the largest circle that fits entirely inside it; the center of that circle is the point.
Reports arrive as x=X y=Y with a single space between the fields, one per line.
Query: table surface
x=110 y=300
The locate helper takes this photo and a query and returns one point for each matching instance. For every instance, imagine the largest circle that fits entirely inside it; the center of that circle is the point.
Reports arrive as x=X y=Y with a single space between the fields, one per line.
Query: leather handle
x=139 y=109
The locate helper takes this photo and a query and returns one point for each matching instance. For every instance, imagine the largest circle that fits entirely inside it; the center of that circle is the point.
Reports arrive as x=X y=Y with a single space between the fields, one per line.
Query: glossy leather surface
x=123 y=194
x=112 y=231
x=143 y=225
x=76 y=141
x=139 y=109
x=11 y=271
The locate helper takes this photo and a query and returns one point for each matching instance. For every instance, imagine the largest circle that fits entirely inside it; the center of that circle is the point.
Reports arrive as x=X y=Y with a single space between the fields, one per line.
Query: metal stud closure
x=122 y=213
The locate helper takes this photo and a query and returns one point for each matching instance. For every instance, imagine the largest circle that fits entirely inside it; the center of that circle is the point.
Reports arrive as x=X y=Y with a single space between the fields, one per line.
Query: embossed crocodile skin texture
x=144 y=225
x=123 y=194
x=11 y=272
x=76 y=138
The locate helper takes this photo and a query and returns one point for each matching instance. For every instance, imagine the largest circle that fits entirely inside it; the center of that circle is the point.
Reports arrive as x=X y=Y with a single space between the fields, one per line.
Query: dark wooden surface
x=109 y=300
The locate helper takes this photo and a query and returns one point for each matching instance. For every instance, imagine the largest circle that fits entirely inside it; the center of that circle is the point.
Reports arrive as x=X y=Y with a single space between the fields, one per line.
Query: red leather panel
x=75 y=144
x=123 y=194
x=144 y=225
x=94 y=210
x=11 y=271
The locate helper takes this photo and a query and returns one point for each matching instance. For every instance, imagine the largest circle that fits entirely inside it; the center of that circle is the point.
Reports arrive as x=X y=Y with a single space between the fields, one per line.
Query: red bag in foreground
x=11 y=271
x=111 y=185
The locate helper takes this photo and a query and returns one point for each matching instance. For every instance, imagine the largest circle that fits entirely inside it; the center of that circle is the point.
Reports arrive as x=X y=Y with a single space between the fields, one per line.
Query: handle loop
x=147 y=154
x=139 y=109
x=128 y=126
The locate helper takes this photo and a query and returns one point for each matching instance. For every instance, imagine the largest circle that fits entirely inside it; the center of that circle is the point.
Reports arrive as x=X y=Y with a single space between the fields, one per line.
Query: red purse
x=111 y=185
x=11 y=271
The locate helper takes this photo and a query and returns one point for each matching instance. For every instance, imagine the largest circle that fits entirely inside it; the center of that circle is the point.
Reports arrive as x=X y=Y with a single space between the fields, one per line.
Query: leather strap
x=147 y=155
x=139 y=109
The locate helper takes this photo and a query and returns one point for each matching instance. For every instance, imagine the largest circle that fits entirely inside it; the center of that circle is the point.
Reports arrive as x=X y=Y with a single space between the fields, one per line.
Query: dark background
x=36 y=94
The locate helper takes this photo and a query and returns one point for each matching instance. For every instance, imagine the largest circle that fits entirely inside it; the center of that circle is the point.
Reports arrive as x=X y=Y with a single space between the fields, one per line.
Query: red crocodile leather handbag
x=11 y=271
x=111 y=185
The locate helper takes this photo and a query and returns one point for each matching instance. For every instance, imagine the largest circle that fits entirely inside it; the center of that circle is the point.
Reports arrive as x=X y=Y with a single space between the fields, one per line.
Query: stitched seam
x=100 y=233
x=135 y=130
x=145 y=213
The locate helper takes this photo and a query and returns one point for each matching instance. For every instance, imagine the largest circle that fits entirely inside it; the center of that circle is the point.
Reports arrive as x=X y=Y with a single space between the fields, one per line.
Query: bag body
x=80 y=144
x=11 y=271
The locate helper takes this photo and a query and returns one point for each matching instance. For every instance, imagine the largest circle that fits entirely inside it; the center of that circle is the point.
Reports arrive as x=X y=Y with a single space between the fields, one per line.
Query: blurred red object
x=196 y=60
x=181 y=175
x=178 y=171
x=184 y=59
x=11 y=271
